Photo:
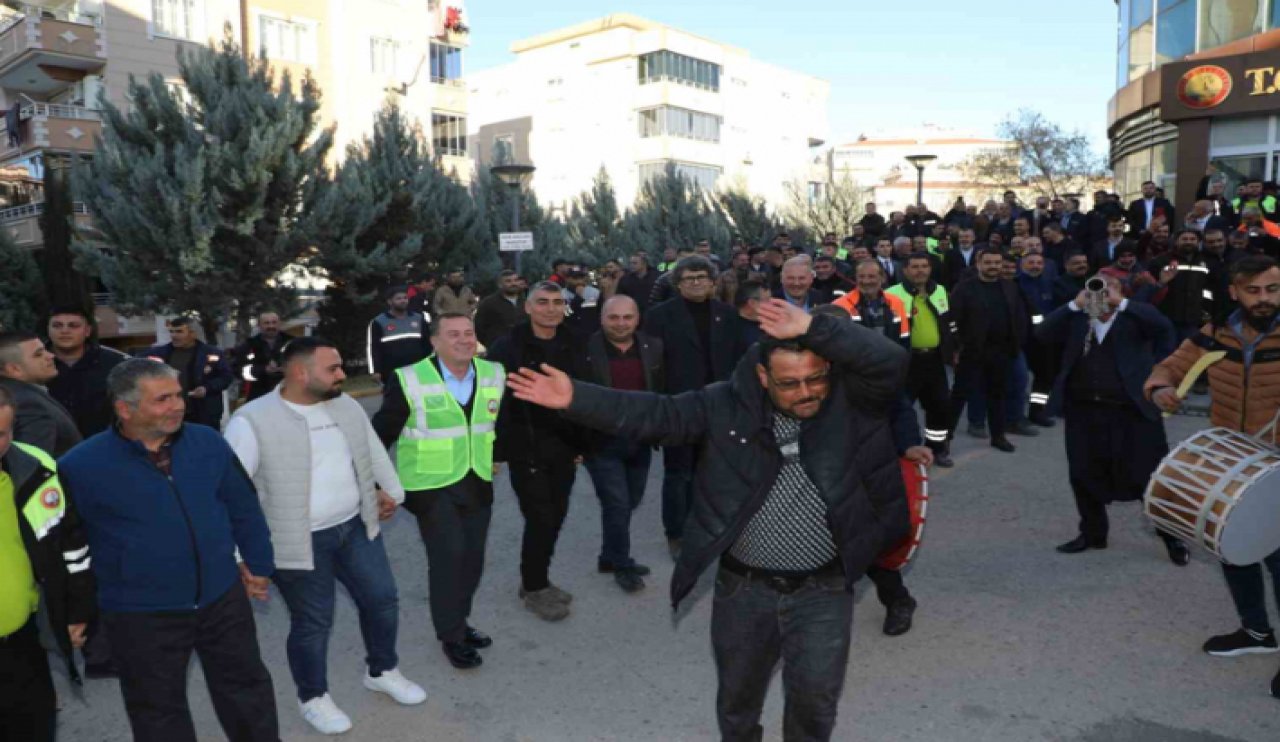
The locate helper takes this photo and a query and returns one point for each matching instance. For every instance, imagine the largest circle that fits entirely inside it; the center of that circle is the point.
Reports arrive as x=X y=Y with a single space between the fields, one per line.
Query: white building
x=878 y=163
x=632 y=95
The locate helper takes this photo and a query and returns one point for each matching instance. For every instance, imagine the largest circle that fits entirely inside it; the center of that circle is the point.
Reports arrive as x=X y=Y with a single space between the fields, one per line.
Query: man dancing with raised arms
x=797 y=490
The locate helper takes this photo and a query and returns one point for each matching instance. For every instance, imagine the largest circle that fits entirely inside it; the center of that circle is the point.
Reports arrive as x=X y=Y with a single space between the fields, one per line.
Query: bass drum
x=916 y=478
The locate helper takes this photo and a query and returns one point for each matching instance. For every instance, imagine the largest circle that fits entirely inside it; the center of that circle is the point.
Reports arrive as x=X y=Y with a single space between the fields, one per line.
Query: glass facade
x=679 y=122
x=1155 y=32
x=702 y=176
x=668 y=66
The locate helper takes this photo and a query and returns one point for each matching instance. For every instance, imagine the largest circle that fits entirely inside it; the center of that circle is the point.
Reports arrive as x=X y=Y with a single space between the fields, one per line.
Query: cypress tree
x=22 y=300
x=63 y=284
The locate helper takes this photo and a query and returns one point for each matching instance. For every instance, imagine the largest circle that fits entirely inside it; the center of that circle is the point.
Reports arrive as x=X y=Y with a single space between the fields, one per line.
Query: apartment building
x=57 y=56
x=633 y=95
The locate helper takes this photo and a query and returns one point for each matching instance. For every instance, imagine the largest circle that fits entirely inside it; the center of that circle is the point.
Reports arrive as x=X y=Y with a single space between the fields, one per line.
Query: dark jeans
x=343 y=554
x=890 y=587
x=989 y=372
x=1249 y=591
x=455 y=537
x=927 y=382
x=752 y=626
x=619 y=470
x=543 y=491
x=677 y=487
x=1015 y=395
x=27 y=703
x=153 y=651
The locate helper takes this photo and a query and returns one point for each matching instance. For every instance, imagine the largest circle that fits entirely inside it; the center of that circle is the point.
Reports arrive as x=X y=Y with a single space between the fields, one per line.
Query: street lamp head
x=921 y=160
x=512 y=175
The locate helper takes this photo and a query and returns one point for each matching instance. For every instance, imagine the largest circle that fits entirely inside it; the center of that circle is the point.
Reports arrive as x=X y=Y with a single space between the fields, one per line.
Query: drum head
x=1252 y=531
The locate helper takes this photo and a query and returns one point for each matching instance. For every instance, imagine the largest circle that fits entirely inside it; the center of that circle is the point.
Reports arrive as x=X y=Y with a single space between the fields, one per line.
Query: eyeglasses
x=791 y=385
x=696 y=279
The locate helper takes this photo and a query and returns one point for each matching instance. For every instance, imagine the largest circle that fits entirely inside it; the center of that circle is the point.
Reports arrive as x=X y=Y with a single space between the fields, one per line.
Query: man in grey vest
x=323 y=478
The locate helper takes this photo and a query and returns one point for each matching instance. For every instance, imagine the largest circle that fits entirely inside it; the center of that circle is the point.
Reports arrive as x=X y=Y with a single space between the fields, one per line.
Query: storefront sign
x=1222 y=86
x=1204 y=87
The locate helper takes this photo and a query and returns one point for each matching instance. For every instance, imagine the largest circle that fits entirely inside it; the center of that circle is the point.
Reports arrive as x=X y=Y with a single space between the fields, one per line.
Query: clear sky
x=891 y=63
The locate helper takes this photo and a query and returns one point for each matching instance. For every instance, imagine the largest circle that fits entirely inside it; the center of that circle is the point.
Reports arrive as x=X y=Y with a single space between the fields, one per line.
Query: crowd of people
x=781 y=382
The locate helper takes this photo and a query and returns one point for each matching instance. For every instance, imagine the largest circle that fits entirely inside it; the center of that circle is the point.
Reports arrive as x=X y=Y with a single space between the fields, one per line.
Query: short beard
x=1261 y=323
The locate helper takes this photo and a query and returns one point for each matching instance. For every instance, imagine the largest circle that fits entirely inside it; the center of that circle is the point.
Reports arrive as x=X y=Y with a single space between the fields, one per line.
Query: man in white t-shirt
x=324 y=478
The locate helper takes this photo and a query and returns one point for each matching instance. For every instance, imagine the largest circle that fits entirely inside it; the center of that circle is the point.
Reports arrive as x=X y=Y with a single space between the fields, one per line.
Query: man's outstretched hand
x=782 y=320
x=551 y=388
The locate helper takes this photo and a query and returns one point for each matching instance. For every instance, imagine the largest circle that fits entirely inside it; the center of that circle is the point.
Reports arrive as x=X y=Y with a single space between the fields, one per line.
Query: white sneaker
x=397 y=686
x=323 y=714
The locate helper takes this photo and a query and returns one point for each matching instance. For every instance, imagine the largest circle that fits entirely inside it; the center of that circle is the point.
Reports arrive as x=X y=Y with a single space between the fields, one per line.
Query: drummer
x=1245 y=392
x=1115 y=437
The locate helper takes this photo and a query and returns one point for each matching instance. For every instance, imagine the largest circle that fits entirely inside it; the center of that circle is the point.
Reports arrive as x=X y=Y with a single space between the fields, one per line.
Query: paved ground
x=1012 y=640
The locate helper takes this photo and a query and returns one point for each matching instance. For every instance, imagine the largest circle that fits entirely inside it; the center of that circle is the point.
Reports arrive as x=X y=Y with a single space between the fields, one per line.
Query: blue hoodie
x=160 y=543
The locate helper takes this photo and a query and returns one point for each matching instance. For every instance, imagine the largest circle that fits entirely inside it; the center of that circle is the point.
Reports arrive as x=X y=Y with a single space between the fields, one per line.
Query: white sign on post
x=515 y=241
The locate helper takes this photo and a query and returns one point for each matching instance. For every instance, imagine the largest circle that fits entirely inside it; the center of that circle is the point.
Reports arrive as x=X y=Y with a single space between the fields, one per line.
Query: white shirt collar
x=1101 y=328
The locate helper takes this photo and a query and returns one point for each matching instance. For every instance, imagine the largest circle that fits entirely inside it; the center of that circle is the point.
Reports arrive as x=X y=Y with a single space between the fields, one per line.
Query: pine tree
x=389 y=209
x=595 y=226
x=550 y=236
x=22 y=299
x=749 y=217
x=672 y=210
x=64 y=285
x=201 y=205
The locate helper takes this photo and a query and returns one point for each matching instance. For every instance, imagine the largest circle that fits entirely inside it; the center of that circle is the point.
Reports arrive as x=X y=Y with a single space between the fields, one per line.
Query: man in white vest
x=441 y=412
x=324 y=478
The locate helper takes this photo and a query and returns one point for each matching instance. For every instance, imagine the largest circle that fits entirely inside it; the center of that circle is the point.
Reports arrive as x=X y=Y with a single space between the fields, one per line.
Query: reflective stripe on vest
x=438 y=446
x=48 y=505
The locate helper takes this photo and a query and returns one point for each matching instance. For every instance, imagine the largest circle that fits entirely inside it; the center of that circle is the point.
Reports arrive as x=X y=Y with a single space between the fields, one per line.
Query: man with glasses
x=799 y=490
x=698 y=336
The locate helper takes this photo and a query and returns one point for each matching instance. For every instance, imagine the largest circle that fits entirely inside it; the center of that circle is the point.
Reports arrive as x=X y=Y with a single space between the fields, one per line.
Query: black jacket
x=495 y=316
x=1065 y=288
x=1102 y=255
x=1141 y=336
x=1136 y=215
x=684 y=358
x=955 y=269
x=638 y=288
x=210 y=369
x=68 y=595
x=596 y=367
x=847 y=448
x=256 y=353
x=973 y=322
x=872 y=224
x=81 y=388
x=1188 y=298
x=527 y=432
x=39 y=420
x=395 y=342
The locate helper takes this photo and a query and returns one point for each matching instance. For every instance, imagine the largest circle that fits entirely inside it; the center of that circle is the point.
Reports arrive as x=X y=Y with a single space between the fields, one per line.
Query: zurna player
x=1245 y=391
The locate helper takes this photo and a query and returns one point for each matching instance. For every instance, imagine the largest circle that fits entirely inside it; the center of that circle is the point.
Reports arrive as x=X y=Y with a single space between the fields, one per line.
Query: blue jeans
x=343 y=554
x=1249 y=591
x=753 y=626
x=619 y=470
x=677 y=487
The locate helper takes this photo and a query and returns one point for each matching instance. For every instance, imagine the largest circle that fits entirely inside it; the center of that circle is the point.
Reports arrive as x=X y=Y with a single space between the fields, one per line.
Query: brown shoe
x=544 y=604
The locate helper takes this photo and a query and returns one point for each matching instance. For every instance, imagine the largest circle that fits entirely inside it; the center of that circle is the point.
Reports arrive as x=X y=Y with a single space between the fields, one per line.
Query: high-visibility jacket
x=439 y=445
x=849 y=302
x=1266 y=203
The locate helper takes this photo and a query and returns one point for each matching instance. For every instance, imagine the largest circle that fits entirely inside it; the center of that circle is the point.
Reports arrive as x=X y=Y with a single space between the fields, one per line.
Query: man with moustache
x=261 y=355
x=502 y=310
x=1187 y=295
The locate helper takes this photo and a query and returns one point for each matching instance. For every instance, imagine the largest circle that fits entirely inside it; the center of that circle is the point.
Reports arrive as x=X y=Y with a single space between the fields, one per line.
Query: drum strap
x=1210 y=344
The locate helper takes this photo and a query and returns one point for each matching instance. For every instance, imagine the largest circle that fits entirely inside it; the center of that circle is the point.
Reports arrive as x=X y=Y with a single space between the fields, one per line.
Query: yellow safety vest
x=438 y=446
x=46 y=508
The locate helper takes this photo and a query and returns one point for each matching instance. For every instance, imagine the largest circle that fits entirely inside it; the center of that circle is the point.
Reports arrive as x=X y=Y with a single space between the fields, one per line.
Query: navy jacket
x=684 y=358
x=166 y=544
x=1141 y=336
x=210 y=369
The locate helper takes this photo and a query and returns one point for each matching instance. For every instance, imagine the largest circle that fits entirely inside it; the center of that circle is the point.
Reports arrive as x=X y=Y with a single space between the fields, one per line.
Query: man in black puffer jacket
x=797 y=490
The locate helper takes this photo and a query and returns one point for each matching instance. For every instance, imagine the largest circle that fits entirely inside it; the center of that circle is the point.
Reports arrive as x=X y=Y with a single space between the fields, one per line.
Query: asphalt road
x=1012 y=641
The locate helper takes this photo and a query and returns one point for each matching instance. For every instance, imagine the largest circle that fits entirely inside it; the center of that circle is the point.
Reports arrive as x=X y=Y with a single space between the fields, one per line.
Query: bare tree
x=836 y=209
x=1043 y=157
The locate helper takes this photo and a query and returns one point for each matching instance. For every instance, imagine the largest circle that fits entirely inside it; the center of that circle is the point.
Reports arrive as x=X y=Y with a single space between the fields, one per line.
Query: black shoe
x=978 y=431
x=1275 y=686
x=101 y=671
x=629 y=580
x=1242 y=641
x=604 y=566
x=1025 y=428
x=897 y=621
x=1003 y=444
x=477 y=639
x=673 y=548
x=1081 y=543
x=461 y=655
x=943 y=460
x=1179 y=554
x=1043 y=421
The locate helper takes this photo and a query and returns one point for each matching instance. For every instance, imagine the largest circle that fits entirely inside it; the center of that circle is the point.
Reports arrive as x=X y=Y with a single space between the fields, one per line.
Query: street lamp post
x=920 y=161
x=515 y=176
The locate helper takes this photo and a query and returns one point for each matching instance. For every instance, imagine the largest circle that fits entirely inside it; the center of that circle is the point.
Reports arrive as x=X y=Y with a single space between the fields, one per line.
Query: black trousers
x=988 y=371
x=543 y=491
x=1042 y=361
x=153 y=650
x=27 y=702
x=890 y=587
x=927 y=382
x=455 y=534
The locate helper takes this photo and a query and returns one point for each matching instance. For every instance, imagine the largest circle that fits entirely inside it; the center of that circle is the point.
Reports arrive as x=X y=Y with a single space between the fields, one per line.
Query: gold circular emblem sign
x=1205 y=86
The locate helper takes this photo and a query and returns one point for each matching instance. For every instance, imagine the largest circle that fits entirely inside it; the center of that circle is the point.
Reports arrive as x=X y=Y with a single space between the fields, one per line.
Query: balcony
x=42 y=50
x=23 y=223
x=50 y=127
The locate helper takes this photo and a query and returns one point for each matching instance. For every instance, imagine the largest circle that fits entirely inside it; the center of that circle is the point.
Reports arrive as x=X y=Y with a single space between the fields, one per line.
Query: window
x=1224 y=21
x=446 y=63
x=701 y=176
x=1140 y=50
x=383 y=56
x=666 y=65
x=1175 y=30
x=182 y=19
x=1139 y=12
x=679 y=122
x=449 y=134
x=281 y=38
